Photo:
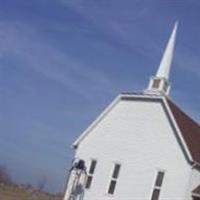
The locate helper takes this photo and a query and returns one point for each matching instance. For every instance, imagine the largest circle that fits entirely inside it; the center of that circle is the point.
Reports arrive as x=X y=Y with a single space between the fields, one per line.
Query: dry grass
x=10 y=192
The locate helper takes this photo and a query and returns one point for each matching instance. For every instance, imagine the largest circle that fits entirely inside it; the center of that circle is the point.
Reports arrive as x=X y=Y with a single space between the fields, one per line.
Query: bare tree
x=42 y=183
x=4 y=175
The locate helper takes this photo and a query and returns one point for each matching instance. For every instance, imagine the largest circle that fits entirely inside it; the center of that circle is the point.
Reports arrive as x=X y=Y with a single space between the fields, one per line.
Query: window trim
x=114 y=164
x=156 y=83
x=154 y=186
x=90 y=174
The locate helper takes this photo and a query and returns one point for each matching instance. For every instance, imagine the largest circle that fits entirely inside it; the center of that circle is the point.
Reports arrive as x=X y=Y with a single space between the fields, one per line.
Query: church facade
x=142 y=147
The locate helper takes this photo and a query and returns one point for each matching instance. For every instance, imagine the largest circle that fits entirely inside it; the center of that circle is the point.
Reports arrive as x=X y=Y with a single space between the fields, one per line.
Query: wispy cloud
x=118 y=23
x=123 y=25
x=26 y=46
x=62 y=61
x=188 y=60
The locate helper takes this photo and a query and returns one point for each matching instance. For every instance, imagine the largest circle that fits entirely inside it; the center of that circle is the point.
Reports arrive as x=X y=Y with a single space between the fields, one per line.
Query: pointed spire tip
x=165 y=64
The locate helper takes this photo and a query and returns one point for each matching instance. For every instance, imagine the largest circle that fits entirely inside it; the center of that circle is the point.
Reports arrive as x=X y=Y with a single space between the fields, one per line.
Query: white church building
x=142 y=147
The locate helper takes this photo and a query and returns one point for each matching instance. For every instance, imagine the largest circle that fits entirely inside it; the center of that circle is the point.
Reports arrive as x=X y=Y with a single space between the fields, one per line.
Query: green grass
x=9 y=192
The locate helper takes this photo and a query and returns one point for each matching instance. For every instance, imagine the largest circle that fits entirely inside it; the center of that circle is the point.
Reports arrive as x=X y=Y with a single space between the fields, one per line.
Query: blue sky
x=63 y=61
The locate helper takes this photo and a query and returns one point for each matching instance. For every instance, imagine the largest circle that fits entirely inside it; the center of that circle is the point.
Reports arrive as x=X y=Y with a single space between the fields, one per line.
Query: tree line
x=4 y=175
x=5 y=178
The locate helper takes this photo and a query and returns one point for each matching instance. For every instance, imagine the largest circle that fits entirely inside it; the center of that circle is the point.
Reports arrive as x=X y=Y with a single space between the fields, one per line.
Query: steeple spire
x=160 y=83
x=165 y=64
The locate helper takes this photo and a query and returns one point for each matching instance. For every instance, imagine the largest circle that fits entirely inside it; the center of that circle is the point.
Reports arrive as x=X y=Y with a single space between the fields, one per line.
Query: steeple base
x=158 y=86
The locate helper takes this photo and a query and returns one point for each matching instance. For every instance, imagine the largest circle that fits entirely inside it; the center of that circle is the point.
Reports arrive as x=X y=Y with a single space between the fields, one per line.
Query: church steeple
x=159 y=84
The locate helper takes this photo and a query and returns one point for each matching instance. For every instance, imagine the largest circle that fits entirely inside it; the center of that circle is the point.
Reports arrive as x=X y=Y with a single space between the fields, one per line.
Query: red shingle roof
x=190 y=130
x=196 y=191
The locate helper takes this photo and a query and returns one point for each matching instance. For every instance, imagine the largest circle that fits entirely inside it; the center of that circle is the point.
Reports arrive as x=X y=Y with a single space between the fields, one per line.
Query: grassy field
x=8 y=192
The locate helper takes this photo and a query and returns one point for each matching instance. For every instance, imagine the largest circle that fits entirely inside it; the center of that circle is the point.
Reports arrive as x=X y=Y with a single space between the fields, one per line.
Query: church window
x=113 y=182
x=90 y=174
x=157 y=185
x=156 y=83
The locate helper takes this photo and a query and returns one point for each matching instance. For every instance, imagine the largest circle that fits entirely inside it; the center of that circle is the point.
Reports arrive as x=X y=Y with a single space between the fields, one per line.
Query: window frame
x=156 y=83
x=113 y=178
x=157 y=187
x=90 y=175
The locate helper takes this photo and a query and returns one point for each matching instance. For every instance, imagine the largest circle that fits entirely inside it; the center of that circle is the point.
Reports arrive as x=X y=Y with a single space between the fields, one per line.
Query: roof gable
x=186 y=129
x=190 y=130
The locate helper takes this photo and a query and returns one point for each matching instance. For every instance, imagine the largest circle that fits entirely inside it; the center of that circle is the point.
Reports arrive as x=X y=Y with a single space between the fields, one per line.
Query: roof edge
x=132 y=96
x=95 y=122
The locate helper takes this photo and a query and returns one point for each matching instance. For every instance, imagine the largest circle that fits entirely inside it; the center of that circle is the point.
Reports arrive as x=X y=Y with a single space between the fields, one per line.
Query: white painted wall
x=138 y=135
